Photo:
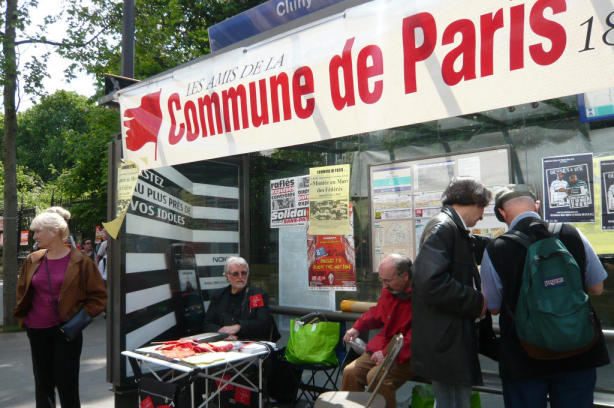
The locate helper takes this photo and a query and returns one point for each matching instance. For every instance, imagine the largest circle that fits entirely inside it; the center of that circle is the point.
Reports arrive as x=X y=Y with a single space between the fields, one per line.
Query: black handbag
x=77 y=323
x=74 y=326
x=488 y=342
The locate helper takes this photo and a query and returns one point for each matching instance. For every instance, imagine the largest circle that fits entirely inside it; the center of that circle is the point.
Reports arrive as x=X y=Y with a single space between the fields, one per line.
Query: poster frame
x=417 y=160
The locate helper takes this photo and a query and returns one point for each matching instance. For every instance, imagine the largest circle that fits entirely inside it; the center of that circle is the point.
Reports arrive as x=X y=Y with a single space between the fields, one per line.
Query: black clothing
x=508 y=259
x=445 y=303
x=248 y=308
x=55 y=363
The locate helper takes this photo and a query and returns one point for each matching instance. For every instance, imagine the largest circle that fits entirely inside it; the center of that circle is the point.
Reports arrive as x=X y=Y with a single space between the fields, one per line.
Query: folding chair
x=309 y=389
x=369 y=398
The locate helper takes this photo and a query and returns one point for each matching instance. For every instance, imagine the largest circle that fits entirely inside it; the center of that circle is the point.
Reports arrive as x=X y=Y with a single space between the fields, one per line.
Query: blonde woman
x=54 y=284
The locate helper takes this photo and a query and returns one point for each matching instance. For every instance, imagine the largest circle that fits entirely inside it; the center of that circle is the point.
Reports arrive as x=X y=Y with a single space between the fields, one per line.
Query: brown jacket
x=82 y=287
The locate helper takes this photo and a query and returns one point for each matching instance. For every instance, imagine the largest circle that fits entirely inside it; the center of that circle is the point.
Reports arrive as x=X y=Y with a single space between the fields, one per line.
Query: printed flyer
x=331 y=260
x=329 y=196
x=607 y=194
x=568 y=188
x=289 y=201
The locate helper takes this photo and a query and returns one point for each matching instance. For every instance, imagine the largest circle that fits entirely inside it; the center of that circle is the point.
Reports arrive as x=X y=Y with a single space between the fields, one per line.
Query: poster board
x=406 y=194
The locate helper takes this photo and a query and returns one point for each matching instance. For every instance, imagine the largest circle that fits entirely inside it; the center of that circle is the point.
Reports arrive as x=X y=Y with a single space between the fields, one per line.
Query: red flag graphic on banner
x=144 y=122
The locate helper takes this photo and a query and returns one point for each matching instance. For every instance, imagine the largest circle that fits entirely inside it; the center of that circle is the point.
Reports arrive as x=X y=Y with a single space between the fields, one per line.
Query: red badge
x=242 y=394
x=256 y=301
x=147 y=402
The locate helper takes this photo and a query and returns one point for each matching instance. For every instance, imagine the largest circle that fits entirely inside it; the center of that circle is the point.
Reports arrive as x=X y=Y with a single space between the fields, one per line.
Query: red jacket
x=392 y=315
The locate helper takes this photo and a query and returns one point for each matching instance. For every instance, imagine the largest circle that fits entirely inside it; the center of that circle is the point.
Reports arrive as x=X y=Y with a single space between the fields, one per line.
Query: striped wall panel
x=172 y=206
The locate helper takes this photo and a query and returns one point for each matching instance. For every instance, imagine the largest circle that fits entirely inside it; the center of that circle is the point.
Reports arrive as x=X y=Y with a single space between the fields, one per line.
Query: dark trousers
x=573 y=389
x=55 y=363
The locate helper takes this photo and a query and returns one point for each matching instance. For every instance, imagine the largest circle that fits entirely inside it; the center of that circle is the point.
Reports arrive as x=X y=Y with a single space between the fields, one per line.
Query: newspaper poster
x=568 y=188
x=329 y=195
x=289 y=201
x=607 y=194
x=332 y=262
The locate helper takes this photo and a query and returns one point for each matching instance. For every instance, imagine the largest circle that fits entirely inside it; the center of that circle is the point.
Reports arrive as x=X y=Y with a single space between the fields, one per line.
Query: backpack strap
x=518 y=237
x=554 y=228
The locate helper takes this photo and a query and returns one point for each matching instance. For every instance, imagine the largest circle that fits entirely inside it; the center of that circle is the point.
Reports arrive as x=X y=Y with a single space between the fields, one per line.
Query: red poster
x=331 y=262
x=24 y=238
x=242 y=396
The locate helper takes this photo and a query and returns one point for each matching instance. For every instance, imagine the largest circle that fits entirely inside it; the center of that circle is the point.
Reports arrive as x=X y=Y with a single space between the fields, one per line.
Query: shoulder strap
x=519 y=237
x=554 y=228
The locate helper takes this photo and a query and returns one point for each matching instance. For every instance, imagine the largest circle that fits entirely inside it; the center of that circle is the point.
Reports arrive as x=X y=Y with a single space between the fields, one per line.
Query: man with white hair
x=528 y=382
x=239 y=311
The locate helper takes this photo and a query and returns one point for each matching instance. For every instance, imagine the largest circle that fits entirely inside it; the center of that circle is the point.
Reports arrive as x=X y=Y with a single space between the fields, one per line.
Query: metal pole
x=128 y=40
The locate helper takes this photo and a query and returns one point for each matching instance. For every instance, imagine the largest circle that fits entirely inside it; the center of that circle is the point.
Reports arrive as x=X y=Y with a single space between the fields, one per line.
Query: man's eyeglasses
x=236 y=274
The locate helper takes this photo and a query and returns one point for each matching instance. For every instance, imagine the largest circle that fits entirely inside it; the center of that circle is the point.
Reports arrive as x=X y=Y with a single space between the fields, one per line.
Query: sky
x=83 y=84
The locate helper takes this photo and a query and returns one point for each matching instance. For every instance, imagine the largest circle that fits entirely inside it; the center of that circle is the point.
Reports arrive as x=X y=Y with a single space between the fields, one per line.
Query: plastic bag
x=422 y=397
x=313 y=343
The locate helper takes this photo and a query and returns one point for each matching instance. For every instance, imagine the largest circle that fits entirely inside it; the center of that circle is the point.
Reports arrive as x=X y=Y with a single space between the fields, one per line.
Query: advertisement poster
x=331 y=262
x=99 y=234
x=23 y=238
x=329 y=196
x=568 y=188
x=391 y=192
x=289 y=201
x=607 y=194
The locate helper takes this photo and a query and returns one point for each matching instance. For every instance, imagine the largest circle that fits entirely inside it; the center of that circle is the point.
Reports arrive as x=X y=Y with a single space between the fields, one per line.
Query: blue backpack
x=553 y=316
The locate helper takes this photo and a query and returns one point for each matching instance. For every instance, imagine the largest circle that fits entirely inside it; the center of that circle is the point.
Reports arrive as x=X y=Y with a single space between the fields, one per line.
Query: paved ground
x=17 y=381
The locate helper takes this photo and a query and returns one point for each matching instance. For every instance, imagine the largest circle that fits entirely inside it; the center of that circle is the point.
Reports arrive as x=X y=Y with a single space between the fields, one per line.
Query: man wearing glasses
x=392 y=314
x=239 y=311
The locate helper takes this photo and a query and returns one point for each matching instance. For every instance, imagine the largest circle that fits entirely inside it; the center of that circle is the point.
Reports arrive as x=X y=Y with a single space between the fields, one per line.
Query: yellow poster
x=329 y=197
x=127 y=176
x=601 y=240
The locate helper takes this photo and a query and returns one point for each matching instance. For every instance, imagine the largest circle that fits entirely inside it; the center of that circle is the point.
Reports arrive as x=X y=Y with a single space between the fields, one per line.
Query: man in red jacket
x=393 y=315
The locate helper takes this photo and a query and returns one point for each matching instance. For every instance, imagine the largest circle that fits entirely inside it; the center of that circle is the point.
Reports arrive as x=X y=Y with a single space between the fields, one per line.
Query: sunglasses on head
x=236 y=274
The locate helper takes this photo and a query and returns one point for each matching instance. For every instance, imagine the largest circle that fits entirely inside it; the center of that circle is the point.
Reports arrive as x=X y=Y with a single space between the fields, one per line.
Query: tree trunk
x=9 y=254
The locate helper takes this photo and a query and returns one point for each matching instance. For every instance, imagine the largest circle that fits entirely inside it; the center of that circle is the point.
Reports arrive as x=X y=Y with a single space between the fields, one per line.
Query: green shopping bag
x=313 y=343
x=422 y=397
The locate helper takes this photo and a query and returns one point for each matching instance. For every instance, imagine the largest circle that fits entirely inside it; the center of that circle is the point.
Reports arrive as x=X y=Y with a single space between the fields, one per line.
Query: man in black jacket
x=445 y=300
x=528 y=382
x=239 y=311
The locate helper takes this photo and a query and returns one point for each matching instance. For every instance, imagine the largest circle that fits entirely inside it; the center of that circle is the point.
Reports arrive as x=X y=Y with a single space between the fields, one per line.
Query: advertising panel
x=568 y=188
x=607 y=194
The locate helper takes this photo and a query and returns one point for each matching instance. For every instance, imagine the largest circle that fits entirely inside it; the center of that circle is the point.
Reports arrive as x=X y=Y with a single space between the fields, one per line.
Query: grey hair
x=402 y=263
x=235 y=260
x=62 y=212
x=50 y=220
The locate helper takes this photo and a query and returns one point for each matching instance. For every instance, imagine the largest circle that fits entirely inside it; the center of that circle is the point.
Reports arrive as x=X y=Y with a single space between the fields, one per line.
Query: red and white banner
x=382 y=64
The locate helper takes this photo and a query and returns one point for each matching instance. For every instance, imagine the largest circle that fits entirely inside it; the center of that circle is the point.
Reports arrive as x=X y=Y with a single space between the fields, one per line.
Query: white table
x=229 y=369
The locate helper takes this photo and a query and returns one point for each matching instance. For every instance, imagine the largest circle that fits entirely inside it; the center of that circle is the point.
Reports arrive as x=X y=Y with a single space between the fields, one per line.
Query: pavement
x=17 y=380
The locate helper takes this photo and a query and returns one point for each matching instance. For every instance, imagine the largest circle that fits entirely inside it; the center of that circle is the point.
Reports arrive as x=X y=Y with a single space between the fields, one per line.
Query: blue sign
x=261 y=18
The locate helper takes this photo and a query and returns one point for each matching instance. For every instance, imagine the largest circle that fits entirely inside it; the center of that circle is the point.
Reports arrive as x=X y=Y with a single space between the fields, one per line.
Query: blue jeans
x=451 y=395
x=572 y=389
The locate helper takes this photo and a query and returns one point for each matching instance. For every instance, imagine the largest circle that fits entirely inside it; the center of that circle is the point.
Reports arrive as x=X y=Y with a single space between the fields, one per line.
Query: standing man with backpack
x=538 y=275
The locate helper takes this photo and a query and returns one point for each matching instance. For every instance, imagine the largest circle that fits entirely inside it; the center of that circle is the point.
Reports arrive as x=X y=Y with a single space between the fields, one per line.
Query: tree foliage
x=167 y=33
